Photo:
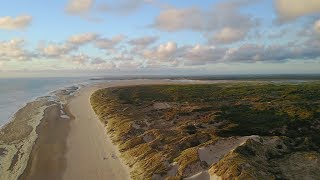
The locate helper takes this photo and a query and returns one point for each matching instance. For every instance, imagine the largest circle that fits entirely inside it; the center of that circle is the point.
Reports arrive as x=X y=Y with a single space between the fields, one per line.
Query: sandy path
x=90 y=153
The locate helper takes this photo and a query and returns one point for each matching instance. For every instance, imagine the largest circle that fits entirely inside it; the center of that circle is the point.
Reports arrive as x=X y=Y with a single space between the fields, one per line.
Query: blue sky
x=97 y=37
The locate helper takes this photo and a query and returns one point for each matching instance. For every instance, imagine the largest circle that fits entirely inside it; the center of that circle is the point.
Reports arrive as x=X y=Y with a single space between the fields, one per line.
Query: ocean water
x=15 y=93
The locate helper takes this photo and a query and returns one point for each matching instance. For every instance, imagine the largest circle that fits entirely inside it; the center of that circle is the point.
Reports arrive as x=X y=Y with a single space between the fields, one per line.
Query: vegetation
x=156 y=126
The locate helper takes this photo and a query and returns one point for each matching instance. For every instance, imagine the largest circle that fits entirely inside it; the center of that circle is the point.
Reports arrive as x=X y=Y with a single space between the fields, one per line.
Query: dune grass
x=151 y=139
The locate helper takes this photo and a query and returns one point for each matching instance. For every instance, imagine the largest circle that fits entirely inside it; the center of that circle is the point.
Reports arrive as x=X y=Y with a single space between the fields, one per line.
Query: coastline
x=44 y=90
x=18 y=137
x=59 y=136
x=22 y=137
x=47 y=159
x=69 y=140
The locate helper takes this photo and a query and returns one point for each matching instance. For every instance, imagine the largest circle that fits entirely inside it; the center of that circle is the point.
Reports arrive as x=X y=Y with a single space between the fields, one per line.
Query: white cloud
x=164 y=52
x=78 y=59
x=103 y=65
x=170 y=55
x=288 y=10
x=224 y=18
x=108 y=44
x=123 y=57
x=180 y=19
x=229 y=35
x=53 y=50
x=143 y=41
x=59 y=50
x=15 y=23
x=13 y=51
x=129 y=65
x=123 y=7
x=84 y=38
x=79 y=7
x=201 y=54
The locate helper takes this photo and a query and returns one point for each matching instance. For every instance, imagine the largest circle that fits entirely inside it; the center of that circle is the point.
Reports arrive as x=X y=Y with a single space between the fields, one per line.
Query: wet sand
x=47 y=159
x=18 y=137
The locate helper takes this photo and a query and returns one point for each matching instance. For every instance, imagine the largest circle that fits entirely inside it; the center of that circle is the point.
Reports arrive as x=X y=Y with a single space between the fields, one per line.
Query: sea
x=15 y=93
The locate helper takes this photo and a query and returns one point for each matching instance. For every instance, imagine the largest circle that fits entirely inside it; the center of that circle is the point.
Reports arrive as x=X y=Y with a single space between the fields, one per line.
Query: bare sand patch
x=214 y=152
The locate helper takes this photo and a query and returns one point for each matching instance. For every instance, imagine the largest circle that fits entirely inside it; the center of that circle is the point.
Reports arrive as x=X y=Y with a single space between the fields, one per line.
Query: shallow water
x=15 y=93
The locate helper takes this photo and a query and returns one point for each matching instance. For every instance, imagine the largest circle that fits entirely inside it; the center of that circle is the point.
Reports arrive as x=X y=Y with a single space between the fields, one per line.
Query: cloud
x=78 y=59
x=201 y=54
x=288 y=10
x=228 y=35
x=98 y=61
x=164 y=52
x=180 y=19
x=123 y=57
x=123 y=7
x=140 y=44
x=13 y=51
x=101 y=64
x=172 y=55
x=224 y=22
x=79 y=7
x=143 y=41
x=108 y=44
x=129 y=65
x=15 y=23
x=84 y=38
x=72 y=44
x=54 y=50
x=274 y=53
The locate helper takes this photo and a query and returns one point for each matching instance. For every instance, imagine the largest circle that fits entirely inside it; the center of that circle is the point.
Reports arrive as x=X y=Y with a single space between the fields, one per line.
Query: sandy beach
x=74 y=144
x=64 y=139
x=90 y=153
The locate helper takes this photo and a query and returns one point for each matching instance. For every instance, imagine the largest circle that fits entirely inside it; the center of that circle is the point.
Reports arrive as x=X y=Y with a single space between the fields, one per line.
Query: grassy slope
x=199 y=115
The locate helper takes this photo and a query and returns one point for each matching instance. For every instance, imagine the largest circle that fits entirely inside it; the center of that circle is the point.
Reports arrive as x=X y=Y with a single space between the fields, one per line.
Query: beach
x=61 y=137
x=90 y=152
x=68 y=141
x=71 y=142
x=74 y=145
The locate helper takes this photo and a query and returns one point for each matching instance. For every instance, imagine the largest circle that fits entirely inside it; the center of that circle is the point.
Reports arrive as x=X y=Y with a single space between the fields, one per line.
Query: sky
x=158 y=37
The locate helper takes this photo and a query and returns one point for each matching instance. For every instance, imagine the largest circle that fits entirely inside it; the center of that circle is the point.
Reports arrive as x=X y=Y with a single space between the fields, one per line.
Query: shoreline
x=82 y=148
x=38 y=95
x=20 y=136
x=49 y=147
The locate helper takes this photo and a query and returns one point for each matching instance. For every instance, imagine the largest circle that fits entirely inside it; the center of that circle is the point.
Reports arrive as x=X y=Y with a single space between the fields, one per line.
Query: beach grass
x=157 y=126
